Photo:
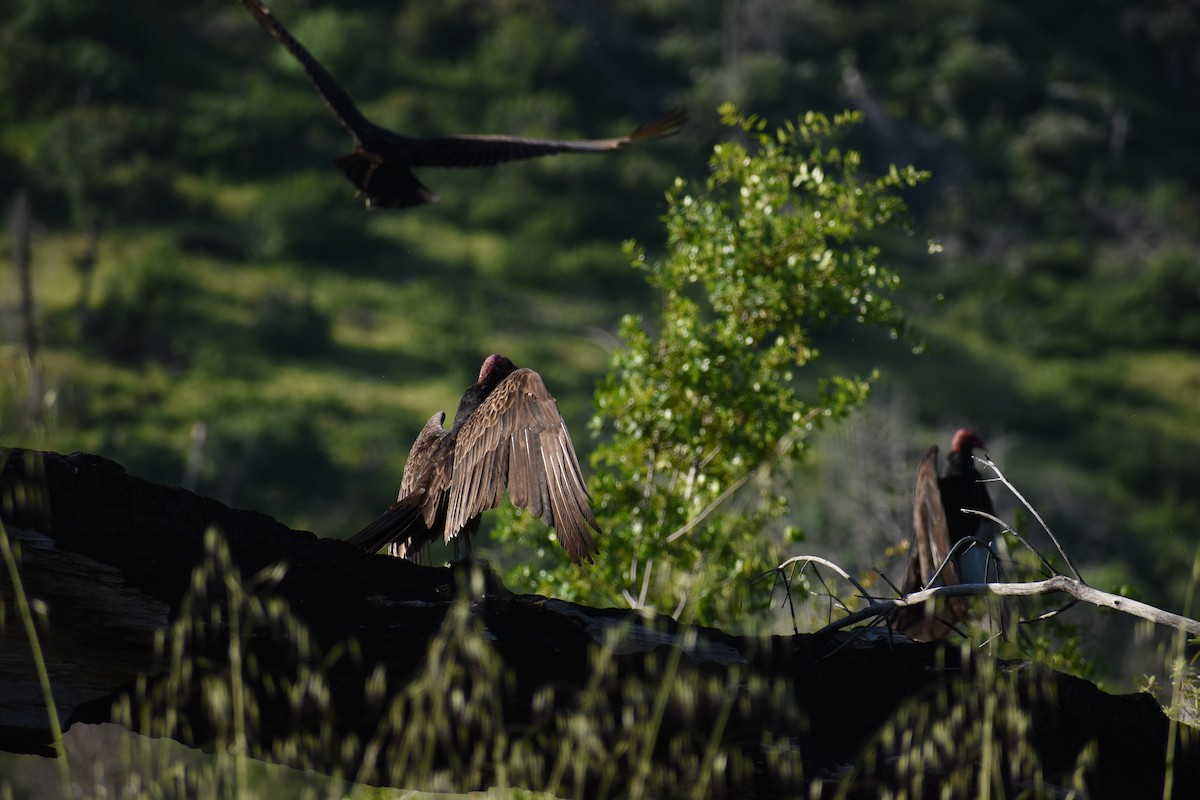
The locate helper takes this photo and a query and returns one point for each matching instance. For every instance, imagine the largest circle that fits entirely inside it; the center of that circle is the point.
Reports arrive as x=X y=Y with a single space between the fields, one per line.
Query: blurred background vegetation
x=214 y=308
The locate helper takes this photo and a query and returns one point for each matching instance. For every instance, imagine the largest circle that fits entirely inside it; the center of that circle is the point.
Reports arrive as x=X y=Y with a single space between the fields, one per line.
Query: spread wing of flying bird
x=382 y=161
x=507 y=436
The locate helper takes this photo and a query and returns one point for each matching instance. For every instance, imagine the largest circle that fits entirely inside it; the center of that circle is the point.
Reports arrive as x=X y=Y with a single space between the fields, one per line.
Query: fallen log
x=177 y=616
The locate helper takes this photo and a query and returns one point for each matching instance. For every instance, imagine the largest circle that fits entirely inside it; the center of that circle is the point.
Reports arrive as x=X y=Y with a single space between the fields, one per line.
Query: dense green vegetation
x=215 y=307
x=701 y=416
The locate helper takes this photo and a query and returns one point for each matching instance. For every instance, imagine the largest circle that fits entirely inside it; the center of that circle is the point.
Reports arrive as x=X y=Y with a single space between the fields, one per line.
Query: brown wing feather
x=401 y=522
x=517 y=440
x=423 y=449
x=486 y=150
x=380 y=166
x=331 y=92
x=931 y=545
x=407 y=524
x=930 y=528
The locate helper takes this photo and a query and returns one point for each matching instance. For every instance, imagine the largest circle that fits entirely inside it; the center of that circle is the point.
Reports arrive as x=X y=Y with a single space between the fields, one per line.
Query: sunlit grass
x=444 y=730
x=235 y=650
x=26 y=616
x=400 y=346
x=1150 y=392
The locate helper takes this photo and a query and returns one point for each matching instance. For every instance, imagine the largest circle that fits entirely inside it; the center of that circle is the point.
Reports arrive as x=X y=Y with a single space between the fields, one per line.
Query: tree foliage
x=1066 y=188
x=703 y=409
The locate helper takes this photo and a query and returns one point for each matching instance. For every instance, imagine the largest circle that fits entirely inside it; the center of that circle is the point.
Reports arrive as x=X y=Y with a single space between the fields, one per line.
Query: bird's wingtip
x=667 y=124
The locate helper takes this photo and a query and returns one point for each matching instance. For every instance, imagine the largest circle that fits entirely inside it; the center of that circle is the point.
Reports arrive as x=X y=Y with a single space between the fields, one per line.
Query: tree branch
x=356 y=664
x=1058 y=584
x=987 y=462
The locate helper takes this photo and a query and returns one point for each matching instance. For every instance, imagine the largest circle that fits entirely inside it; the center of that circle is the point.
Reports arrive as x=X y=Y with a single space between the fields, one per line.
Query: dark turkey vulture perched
x=939 y=522
x=507 y=434
x=382 y=162
x=961 y=486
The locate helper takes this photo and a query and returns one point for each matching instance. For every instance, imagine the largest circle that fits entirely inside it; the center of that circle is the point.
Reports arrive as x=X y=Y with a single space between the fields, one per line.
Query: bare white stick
x=1006 y=528
x=825 y=563
x=1058 y=584
x=987 y=462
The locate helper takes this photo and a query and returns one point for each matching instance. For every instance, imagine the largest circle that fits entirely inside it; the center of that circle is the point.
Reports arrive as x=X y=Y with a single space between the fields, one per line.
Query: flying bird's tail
x=384 y=184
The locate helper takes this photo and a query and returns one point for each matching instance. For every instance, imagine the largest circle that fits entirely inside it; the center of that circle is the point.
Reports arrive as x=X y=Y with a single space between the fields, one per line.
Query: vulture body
x=939 y=523
x=961 y=486
x=507 y=435
x=382 y=161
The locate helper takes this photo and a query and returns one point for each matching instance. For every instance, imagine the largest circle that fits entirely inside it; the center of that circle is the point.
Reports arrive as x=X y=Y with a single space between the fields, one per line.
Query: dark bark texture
x=377 y=668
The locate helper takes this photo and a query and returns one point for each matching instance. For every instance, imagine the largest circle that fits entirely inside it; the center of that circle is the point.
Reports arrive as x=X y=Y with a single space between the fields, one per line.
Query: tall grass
x=25 y=614
x=236 y=655
x=1185 y=684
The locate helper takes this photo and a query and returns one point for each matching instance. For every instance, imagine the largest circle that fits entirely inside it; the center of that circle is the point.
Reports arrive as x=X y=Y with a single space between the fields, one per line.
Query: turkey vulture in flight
x=507 y=434
x=382 y=162
x=938 y=524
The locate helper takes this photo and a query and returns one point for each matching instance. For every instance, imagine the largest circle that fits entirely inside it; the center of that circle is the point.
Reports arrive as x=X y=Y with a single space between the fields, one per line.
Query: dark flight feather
x=939 y=522
x=507 y=436
x=382 y=162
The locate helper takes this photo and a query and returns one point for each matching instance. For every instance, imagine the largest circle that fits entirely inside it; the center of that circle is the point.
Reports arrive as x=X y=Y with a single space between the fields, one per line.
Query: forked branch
x=987 y=462
x=1058 y=584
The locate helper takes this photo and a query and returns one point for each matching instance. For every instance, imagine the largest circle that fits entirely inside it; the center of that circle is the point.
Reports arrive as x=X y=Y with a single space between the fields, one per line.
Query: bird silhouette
x=939 y=523
x=382 y=163
x=507 y=435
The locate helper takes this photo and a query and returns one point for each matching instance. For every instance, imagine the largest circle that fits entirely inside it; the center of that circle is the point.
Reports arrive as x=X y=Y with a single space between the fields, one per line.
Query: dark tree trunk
x=409 y=675
x=85 y=263
x=21 y=224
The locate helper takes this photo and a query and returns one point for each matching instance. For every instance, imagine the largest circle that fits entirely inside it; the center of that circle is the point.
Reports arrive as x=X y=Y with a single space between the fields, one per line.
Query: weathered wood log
x=373 y=667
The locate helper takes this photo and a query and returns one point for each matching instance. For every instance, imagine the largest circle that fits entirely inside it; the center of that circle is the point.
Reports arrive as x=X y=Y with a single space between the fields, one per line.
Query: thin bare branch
x=824 y=562
x=711 y=507
x=1053 y=612
x=1065 y=584
x=782 y=447
x=1009 y=529
x=963 y=545
x=987 y=462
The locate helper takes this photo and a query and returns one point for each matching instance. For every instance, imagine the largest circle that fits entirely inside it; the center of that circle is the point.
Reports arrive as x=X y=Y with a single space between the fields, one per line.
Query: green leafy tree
x=703 y=412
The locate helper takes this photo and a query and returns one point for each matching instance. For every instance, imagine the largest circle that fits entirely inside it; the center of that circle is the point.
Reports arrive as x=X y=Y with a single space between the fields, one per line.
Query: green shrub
x=703 y=409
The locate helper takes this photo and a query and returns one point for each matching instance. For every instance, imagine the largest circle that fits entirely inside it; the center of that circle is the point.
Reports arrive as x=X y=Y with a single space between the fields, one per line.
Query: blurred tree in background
x=198 y=260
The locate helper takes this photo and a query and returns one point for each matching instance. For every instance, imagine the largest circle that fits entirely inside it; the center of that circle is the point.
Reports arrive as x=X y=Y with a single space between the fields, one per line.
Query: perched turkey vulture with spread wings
x=382 y=162
x=507 y=434
x=939 y=522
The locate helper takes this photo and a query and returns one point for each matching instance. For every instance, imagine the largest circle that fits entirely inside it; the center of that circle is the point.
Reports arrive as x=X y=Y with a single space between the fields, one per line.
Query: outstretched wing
x=931 y=545
x=381 y=165
x=486 y=150
x=331 y=92
x=930 y=528
x=517 y=440
x=423 y=451
x=407 y=525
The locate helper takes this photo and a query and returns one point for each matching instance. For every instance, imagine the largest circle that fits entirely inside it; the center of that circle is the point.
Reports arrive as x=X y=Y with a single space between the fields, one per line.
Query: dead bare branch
x=987 y=462
x=1074 y=587
x=805 y=560
x=1006 y=528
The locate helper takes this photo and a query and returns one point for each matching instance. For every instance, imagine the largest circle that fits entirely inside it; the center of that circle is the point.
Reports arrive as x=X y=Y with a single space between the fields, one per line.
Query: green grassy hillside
x=241 y=290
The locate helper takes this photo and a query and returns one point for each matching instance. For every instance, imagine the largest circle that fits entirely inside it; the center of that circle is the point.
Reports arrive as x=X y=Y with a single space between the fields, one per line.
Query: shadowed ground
x=374 y=667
